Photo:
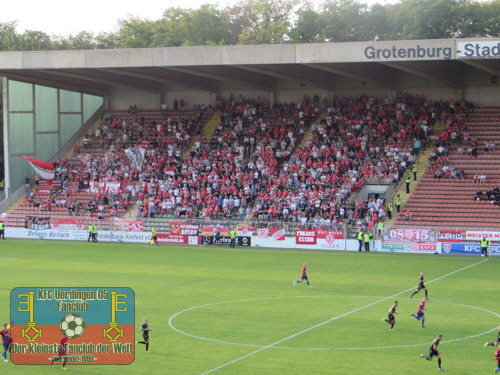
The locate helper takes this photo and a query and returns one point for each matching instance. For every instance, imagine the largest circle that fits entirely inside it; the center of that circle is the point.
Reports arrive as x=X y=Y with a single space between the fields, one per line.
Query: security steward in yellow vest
x=154 y=238
x=366 y=239
x=408 y=180
x=360 y=240
x=484 y=247
x=398 y=202
x=232 y=235
x=2 y=231
x=414 y=170
x=91 y=233
x=380 y=226
x=389 y=210
x=94 y=233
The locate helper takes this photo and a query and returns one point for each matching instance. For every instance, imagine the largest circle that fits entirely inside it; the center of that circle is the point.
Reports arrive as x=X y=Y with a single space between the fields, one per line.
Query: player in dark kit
x=494 y=343
x=145 y=334
x=6 y=341
x=433 y=352
x=421 y=285
x=303 y=277
x=62 y=356
x=420 y=312
x=391 y=319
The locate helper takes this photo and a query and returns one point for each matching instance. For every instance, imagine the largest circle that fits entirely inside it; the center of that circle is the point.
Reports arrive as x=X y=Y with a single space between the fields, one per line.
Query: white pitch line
x=334 y=318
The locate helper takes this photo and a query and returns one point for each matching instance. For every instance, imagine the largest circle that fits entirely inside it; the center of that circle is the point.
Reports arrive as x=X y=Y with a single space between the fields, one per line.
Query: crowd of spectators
x=493 y=195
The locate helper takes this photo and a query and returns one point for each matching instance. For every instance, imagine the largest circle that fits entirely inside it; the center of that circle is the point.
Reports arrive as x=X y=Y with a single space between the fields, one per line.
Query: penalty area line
x=333 y=319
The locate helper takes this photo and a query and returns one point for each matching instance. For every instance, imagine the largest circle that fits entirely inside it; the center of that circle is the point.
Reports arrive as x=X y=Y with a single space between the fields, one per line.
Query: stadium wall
x=38 y=122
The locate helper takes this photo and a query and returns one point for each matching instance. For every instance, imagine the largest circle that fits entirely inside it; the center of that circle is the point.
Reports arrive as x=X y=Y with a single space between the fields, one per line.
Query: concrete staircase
x=422 y=165
x=208 y=130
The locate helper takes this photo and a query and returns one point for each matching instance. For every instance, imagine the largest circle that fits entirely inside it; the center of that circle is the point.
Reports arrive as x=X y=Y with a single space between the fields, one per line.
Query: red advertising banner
x=451 y=236
x=305 y=237
x=181 y=228
x=135 y=226
x=409 y=235
x=278 y=234
x=245 y=231
x=172 y=239
x=67 y=224
x=210 y=229
x=330 y=234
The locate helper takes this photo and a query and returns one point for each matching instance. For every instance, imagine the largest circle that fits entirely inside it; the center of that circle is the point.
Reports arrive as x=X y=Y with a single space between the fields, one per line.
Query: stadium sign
x=486 y=48
x=77 y=326
x=408 y=53
x=405 y=247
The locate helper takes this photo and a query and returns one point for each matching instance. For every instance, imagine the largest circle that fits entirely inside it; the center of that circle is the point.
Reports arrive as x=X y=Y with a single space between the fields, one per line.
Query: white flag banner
x=136 y=156
x=44 y=169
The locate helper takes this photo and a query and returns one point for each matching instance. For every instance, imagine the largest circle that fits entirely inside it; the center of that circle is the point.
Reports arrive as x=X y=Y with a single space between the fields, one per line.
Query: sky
x=63 y=17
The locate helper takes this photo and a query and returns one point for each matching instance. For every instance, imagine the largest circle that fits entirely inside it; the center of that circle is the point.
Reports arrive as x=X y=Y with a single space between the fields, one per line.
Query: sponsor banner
x=226 y=241
x=181 y=228
x=37 y=222
x=210 y=229
x=478 y=235
x=172 y=239
x=305 y=237
x=53 y=324
x=408 y=235
x=450 y=236
x=332 y=234
x=468 y=249
x=330 y=243
x=245 y=231
x=194 y=240
x=67 y=224
x=405 y=247
x=56 y=234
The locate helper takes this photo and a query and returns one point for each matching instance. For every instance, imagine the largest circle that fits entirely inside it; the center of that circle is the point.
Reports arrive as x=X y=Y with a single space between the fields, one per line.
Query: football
x=72 y=326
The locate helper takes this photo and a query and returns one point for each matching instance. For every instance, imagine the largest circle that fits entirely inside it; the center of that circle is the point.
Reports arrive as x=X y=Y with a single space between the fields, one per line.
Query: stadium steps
x=450 y=203
x=308 y=136
x=211 y=125
x=207 y=131
x=422 y=165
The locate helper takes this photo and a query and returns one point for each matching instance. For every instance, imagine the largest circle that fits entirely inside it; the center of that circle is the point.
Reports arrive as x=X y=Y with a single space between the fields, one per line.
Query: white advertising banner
x=472 y=235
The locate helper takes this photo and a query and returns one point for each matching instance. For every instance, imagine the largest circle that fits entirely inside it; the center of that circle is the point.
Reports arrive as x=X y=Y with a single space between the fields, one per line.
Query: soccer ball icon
x=72 y=326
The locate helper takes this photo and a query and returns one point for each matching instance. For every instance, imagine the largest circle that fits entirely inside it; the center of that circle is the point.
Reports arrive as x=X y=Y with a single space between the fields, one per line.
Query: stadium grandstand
x=297 y=136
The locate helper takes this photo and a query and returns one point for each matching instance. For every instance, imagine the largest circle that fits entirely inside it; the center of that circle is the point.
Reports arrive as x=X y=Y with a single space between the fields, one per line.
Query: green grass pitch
x=210 y=307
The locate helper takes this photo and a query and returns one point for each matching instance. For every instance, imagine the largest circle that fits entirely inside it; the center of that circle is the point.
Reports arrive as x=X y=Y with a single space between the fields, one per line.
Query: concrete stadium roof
x=379 y=64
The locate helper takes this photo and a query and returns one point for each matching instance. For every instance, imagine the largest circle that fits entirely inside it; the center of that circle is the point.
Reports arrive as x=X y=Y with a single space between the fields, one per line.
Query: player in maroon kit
x=497 y=357
x=63 y=352
x=6 y=341
x=303 y=277
x=420 y=312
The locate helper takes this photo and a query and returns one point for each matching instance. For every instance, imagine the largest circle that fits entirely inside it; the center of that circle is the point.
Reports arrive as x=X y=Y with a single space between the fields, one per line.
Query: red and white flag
x=42 y=168
x=170 y=171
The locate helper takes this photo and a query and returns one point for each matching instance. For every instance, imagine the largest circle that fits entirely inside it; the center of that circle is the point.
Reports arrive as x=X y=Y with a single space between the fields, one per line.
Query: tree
x=9 y=38
x=262 y=21
x=308 y=26
x=344 y=21
x=137 y=33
